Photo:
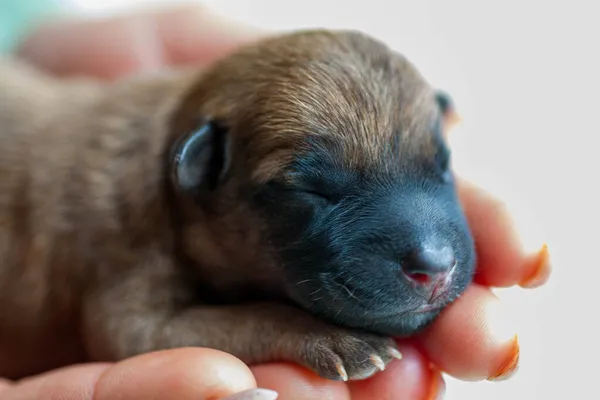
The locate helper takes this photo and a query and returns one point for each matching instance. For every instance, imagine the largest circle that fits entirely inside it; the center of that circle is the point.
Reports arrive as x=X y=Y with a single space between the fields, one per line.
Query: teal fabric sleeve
x=17 y=17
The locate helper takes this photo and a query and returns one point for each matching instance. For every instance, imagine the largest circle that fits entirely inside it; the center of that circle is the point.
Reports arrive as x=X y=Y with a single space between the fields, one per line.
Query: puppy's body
x=111 y=245
x=80 y=181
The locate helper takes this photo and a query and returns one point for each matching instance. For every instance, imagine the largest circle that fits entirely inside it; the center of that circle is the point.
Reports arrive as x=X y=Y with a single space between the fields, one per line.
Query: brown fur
x=91 y=248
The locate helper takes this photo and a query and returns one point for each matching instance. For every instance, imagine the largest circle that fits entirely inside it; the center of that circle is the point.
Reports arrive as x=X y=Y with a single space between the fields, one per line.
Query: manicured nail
x=394 y=353
x=437 y=390
x=511 y=365
x=378 y=362
x=342 y=372
x=441 y=389
x=452 y=121
x=541 y=269
x=253 y=394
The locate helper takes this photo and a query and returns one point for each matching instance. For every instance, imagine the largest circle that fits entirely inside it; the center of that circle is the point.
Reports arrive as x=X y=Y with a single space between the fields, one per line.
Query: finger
x=198 y=35
x=142 y=42
x=472 y=338
x=502 y=258
x=187 y=373
x=408 y=378
x=190 y=373
x=4 y=385
x=293 y=382
x=72 y=383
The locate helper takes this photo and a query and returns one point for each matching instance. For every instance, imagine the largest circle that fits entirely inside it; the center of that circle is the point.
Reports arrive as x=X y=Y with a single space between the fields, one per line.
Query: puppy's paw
x=347 y=355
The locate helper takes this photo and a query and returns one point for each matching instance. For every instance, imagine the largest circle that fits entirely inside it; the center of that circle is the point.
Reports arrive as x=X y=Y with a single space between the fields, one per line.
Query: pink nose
x=428 y=270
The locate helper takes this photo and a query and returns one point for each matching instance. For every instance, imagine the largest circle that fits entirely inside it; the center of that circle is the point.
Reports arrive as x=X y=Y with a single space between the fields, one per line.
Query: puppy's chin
x=389 y=324
x=401 y=325
x=390 y=318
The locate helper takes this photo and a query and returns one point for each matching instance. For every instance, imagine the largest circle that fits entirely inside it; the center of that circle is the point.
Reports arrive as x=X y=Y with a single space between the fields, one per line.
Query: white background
x=525 y=77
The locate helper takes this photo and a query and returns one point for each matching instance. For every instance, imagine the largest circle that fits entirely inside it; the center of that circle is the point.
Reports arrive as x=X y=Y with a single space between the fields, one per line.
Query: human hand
x=194 y=36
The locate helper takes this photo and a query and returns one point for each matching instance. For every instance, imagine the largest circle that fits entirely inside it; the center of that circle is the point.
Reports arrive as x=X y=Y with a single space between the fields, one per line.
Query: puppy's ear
x=448 y=110
x=200 y=159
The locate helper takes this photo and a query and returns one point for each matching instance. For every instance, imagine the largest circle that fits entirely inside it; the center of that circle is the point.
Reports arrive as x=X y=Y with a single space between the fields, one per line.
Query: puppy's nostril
x=419 y=278
x=428 y=268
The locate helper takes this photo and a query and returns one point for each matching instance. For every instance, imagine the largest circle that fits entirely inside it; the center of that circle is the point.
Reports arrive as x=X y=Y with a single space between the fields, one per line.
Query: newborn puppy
x=292 y=203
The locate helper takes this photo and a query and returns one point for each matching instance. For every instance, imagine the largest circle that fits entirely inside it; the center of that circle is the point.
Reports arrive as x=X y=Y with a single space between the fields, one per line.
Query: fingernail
x=452 y=121
x=501 y=324
x=511 y=365
x=541 y=269
x=253 y=394
x=437 y=390
x=441 y=389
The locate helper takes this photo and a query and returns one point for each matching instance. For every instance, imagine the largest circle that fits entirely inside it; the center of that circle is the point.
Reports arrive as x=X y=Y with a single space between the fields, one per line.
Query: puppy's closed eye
x=318 y=195
x=320 y=180
x=306 y=190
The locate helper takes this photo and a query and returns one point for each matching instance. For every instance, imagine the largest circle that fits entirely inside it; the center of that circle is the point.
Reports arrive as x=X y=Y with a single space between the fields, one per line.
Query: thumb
x=112 y=47
x=187 y=373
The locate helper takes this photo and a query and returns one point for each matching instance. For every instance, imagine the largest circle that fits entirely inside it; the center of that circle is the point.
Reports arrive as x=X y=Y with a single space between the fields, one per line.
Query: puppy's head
x=315 y=164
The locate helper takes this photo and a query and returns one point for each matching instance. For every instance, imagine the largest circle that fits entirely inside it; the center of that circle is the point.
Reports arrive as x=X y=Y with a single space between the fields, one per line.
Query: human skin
x=194 y=36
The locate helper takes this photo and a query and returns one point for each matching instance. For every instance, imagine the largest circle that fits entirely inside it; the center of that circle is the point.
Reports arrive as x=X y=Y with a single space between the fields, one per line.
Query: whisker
x=305 y=281
x=338 y=275
x=350 y=293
